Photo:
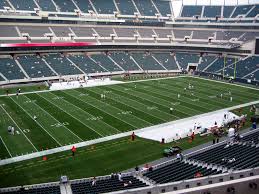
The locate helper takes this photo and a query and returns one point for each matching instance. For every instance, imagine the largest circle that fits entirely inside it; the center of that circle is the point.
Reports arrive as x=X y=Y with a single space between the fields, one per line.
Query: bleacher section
x=178 y=171
x=184 y=59
x=86 y=64
x=61 y=65
x=146 y=61
x=10 y=69
x=35 y=67
x=106 y=185
x=38 y=190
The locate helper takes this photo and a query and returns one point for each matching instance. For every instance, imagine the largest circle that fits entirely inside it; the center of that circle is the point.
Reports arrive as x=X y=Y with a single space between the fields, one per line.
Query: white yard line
x=6 y=147
x=55 y=119
x=19 y=128
x=37 y=123
x=72 y=115
x=108 y=138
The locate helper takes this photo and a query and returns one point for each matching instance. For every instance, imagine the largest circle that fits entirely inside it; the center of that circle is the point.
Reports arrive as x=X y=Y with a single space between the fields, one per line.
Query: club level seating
x=10 y=69
x=43 y=190
x=86 y=64
x=146 y=7
x=106 y=185
x=104 y=7
x=245 y=156
x=182 y=33
x=185 y=58
x=23 y=4
x=126 y=7
x=146 y=61
x=203 y=34
x=34 y=66
x=177 y=171
x=212 y=11
x=167 y=60
x=191 y=10
x=206 y=60
x=61 y=65
x=125 y=61
x=38 y=31
x=105 y=62
x=241 y=10
x=61 y=31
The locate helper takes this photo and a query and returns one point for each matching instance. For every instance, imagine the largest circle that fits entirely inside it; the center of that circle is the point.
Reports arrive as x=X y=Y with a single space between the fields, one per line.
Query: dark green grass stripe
x=116 y=103
x=154 y=98
x=185 y=97
x=117 y=124
x=163 y=93
x=142 y=100
x=3 y=151
x=39 y=138
x=78 y=128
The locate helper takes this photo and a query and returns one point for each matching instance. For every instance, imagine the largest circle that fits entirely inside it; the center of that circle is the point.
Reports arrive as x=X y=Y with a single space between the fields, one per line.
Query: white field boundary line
x=108 y=138
x=42 y=91
x=19 y=128
x=37 y=122
x=6 y=147
x=54 y=119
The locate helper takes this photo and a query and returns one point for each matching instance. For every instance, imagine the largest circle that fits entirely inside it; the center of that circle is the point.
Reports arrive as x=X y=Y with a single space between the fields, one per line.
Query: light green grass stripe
x=18 y=143
x=65 y=135
x=113 y=111
x=73 y=111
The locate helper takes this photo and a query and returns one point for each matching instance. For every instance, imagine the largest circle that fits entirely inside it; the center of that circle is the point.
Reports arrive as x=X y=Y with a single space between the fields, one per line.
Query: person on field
x=73 y=150
x=133 y=136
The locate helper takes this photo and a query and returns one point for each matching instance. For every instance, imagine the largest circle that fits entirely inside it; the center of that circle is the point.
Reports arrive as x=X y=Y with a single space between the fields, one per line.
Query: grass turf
x=71 y=116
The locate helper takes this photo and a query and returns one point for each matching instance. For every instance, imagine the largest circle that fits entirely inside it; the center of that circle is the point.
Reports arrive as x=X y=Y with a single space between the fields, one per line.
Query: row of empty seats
x=107 y=185
x=214 y=11
x=125 y=7
x=56 y=64
x=53 y=189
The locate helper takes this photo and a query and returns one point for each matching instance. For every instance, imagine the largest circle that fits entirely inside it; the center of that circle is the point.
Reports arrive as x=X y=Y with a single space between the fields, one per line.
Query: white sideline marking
x=6 y=147
x=36 y=122
x=104 y=139
x=19 y=128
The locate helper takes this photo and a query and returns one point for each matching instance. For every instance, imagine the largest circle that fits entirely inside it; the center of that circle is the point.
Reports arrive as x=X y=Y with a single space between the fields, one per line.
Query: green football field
x=71 y=116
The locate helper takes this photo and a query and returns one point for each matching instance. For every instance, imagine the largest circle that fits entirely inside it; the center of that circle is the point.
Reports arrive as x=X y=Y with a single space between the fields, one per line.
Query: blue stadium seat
x=126 y=7
x=105 y=62
x=10 y=69
x=227 y=11
x=65 y=5
x=146 y=61
x=185 y=58
x=3 y=4
x=242 y=9
x=219 y=64
x=24 y=4
x=86 y=64
x=46 y=5
x=106 y=185
x=146 y=7
x=163 y=7
x=104 y=7
x=43 y=190
x=167 y=60
x=84 y=5
x=35 y=67
x=206 y=60
x=254 y=12
x=125 y=61
x=191 y=10
x=212 y=11
x=61 y=65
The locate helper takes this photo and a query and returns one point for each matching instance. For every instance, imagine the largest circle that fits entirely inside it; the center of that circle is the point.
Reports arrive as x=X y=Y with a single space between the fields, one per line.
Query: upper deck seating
x=191 y=10
x=254 y=12
x=3 y=4
x=126 y=7
x=84 y=5
x=23 y=4
x=241 y=10
x=104 y=7
x=163 y=7
x=227 y=11
x=212 y=11
x=146 y=7
x=65 y=5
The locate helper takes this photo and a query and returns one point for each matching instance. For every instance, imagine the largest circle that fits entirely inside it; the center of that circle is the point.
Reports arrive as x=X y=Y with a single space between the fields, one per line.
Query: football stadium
x=129 y=96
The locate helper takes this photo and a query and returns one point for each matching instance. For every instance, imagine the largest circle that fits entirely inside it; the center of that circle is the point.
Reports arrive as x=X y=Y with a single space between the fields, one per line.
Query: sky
x=177 y=3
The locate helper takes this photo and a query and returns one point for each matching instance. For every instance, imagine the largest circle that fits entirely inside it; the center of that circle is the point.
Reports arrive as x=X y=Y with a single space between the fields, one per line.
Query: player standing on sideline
x=171 y=110
x=221 y=95
x=178 y=95
x=231 y=99
x=73 y=150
